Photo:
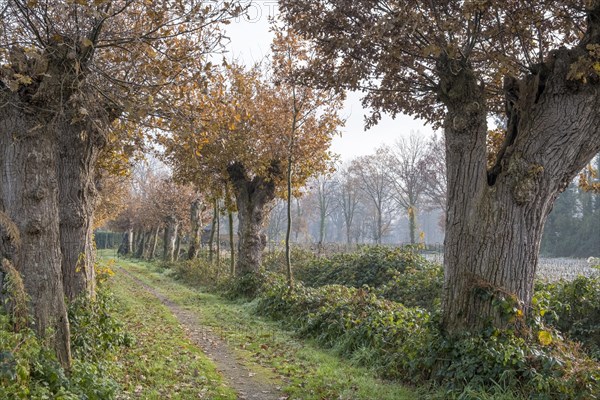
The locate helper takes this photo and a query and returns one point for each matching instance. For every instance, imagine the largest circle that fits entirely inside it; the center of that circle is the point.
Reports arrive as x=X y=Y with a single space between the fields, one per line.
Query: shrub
x=406 y=344
x=371 y=265
x=274 y=261
x=250 y=285
x=198 y=272
x=416 y=287
x=28 y=370
x=94 y=330
x=574 y=309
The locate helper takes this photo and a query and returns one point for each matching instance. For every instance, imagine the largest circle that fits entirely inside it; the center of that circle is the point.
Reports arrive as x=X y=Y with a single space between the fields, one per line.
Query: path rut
x=235 y=374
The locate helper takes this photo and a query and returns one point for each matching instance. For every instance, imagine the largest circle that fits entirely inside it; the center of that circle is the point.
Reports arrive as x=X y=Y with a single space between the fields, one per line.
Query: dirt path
x=235 y=374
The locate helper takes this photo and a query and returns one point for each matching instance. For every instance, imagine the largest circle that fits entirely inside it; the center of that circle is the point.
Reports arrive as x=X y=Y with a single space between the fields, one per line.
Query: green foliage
x=199 y=272
x=355 y=322
x=94 y=330
x=370 y=265
x=416 y=287
x=248 y=286
x=574 y=309
x=406 y=344
x=398 y=274
x=29 y=370
x=274 y=261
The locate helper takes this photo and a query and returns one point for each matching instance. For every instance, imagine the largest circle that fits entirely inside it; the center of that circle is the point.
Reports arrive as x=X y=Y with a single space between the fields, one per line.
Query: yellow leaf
x=545 y=338
x=22 y=79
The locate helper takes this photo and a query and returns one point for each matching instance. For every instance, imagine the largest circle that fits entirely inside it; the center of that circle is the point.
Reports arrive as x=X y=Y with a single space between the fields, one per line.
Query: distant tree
x=323 y=188
x=348 y=199
x=372 y=176
x=408 y=176
x=434 y=166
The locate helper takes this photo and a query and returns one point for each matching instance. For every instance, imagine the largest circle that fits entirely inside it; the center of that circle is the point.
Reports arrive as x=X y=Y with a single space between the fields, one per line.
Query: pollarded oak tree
x=455 y=64
x=237 y=133
x=68 y=70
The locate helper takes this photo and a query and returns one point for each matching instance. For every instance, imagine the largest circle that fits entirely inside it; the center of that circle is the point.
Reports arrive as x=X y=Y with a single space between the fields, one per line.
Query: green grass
x=305 y=371
x=161 y=363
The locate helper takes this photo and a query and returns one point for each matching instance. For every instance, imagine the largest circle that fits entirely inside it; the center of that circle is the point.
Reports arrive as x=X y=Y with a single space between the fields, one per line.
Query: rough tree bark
x=144 y=238
x=213 y=228
x=152 y=249
x=231 y=243
x=79 y=149
x=170 y=238
x=126 y=245
x=252 y=196
x=495 y=221
x=177 y=246
x=29 y=196
x=196 y=220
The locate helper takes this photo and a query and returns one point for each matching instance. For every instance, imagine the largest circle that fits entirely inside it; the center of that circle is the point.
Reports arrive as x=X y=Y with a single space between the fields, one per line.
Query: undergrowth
x=28 y=370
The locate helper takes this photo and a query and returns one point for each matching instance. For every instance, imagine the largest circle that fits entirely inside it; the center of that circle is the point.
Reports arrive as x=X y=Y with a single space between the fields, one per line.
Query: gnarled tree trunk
x=79 y=150
x=213 y=229
x=252 y=196
x=177 y=246
x=170 y=238
x=495 y=220
x=196 y=220
x=152 y=245
x=126 y=245
x=29 y=197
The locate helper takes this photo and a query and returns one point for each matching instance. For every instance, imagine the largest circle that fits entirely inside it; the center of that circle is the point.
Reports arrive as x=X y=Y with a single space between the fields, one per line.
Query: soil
x=246 y=383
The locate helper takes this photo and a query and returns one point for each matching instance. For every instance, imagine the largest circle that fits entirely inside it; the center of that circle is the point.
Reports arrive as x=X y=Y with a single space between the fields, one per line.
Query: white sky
x=251 y=41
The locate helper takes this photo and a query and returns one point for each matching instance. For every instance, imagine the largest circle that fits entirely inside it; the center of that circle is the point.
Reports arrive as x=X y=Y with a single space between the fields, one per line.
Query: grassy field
x=303 y=370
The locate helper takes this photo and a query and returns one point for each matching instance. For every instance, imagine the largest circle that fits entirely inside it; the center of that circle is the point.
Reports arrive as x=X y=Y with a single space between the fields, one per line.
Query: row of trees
x=81 y=83
x=79 y=80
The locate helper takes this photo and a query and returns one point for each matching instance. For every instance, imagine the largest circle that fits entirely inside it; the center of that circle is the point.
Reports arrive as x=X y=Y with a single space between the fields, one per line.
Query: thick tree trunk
x=177 y=246
x=29 y=197
x=213 y=228
x=143 y=239
x=196 y=220
x=79 y=151
x=170 y=238
x=134 y=240
x=126 y=245
x=252 y=196
x=152 y=250
x=495 y=222
x=218 y=232
x=231 y=244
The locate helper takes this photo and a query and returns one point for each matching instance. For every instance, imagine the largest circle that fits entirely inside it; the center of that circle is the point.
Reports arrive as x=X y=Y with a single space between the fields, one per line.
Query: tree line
x=86 y=86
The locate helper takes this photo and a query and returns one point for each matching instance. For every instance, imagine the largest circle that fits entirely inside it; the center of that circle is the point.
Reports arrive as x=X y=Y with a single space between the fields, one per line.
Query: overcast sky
x=251 y=41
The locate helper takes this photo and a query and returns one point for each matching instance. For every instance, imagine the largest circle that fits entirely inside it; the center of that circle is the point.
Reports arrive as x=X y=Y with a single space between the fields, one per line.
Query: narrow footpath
x=237 y=376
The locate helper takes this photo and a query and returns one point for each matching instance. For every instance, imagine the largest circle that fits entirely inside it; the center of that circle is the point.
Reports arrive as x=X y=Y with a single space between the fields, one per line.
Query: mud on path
x=235 y=374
